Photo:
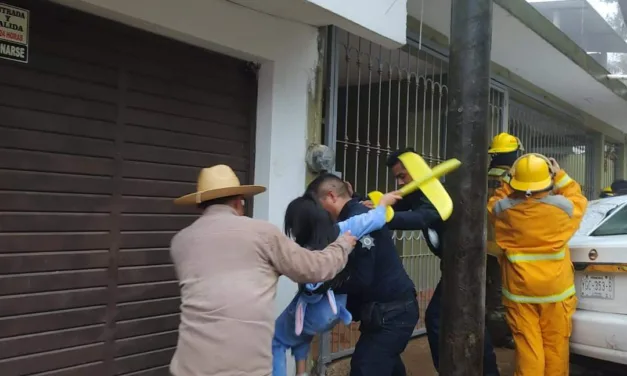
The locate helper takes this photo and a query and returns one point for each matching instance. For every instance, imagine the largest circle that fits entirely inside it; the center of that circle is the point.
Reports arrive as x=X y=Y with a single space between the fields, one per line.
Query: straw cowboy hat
x=217 y=182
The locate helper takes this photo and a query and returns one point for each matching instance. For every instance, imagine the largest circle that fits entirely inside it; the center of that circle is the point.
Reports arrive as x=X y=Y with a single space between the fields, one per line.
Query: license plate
x=597 y=286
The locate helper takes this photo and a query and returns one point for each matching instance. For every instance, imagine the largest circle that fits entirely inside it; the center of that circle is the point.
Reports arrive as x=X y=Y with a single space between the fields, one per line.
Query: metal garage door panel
x=98 y=132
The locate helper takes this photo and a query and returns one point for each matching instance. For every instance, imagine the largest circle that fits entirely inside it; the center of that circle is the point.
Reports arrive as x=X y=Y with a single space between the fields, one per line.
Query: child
x=315 y=309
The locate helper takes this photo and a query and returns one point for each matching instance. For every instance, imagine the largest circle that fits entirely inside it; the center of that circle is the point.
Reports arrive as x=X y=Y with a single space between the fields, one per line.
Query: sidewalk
x=417 y=358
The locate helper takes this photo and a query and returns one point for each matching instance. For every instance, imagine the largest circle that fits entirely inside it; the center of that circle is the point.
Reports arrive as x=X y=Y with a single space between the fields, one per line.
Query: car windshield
x=615 y=225
x=596 y=212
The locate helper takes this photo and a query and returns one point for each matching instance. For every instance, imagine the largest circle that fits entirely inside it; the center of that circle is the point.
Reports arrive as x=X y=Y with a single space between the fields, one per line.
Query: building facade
x=108 y=109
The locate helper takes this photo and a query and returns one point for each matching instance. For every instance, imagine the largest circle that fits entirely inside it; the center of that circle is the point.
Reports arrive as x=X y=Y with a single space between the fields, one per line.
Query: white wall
x=282 y=135
x=387 y=19
x=283 y=90
x=288 y=53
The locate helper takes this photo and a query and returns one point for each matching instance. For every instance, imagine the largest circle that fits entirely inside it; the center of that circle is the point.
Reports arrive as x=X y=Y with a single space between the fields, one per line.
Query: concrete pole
x=464 y=273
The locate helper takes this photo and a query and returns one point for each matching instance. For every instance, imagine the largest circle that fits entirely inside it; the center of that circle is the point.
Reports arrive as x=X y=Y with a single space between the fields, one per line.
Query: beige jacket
x=228 y=267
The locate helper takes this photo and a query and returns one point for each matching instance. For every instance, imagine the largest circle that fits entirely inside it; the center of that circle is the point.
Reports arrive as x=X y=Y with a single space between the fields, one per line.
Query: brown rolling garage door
x=98 y=133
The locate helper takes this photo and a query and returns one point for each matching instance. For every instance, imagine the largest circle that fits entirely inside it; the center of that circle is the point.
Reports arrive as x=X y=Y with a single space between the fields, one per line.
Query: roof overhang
x=583 y=24
x=382 y=22
x=573 y=77
x=252 y=29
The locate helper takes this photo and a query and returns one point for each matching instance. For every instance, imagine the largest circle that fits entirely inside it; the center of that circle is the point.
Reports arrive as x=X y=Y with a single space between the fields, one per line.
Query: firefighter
x=504 y=151
x=606 y=192
x=534 y=217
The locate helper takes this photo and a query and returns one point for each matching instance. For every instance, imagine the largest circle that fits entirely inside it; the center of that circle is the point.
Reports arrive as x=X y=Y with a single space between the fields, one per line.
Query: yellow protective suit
x=538 y=275
x=496 y=177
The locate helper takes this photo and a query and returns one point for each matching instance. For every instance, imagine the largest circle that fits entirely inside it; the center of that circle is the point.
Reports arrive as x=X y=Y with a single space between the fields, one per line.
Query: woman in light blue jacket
x=315 y=308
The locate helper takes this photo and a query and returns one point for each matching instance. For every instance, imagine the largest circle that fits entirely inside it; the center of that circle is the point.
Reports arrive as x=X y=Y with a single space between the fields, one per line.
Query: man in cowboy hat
x=228 y=267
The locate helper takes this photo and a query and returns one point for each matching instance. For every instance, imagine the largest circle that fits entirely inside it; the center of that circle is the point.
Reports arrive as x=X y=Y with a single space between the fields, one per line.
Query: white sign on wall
x=14 y=33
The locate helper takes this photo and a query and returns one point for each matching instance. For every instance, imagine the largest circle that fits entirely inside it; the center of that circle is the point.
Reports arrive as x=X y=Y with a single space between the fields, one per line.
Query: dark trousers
x=432 y=322
x=501 y=335
x=378 y=351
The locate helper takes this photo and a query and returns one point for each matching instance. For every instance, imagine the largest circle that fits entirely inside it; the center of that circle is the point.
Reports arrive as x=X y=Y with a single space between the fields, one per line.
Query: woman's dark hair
x=312 y=227
x=309 y=224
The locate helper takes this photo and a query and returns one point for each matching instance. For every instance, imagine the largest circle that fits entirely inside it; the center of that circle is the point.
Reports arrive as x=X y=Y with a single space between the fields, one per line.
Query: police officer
x=380 y=293
x=504 y=151
x=415 y=212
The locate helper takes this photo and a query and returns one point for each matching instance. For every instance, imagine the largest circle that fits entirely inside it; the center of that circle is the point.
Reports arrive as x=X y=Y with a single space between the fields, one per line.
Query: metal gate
x=565 y=141
x=380 y=101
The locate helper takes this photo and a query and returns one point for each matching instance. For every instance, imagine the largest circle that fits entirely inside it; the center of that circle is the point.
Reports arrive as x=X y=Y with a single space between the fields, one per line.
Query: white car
x=599 y=255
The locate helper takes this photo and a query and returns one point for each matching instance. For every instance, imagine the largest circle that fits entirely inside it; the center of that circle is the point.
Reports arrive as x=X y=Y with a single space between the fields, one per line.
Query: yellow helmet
x=505 y=143
x=531 y=173
x=607 y=192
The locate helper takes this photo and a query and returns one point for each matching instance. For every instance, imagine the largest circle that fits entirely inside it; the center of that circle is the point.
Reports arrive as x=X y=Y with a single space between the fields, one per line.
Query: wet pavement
x=417 y=360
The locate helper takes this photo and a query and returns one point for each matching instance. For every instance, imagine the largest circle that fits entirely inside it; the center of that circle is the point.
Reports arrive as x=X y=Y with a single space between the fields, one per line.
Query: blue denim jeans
x=279 y=355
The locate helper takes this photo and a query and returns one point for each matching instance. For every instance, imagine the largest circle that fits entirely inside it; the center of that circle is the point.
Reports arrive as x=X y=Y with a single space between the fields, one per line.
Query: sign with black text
x=14 y=33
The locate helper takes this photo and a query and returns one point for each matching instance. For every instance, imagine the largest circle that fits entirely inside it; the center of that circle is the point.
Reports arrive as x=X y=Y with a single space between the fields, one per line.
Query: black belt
x=373 y=314
x=400 y=301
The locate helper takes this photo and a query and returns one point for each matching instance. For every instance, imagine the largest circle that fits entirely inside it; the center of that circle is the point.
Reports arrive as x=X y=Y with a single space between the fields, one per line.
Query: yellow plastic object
x=531 y=173
x=375 y=197
x=505 y=143
x=425 y=179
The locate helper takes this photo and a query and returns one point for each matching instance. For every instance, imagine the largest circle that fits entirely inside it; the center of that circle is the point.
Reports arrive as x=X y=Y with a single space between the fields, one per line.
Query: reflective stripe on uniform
x=563 y=182
x=532 y=257
x=540 y=299
x=506 y=204
x=558 y=201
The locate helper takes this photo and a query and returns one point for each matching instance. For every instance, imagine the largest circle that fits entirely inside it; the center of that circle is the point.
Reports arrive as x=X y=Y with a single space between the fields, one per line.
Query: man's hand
x=348 y=238
x=368 y=204
x=390 y=198
x=555 y=167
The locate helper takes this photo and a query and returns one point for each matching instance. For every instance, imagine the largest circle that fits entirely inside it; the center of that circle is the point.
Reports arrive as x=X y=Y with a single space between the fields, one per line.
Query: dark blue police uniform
x=383 y=297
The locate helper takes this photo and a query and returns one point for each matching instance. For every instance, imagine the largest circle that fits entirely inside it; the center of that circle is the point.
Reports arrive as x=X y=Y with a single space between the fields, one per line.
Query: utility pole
x=464 y=256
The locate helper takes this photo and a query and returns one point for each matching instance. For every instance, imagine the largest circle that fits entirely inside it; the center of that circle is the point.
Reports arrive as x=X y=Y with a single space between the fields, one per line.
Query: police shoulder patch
x=367 y=242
